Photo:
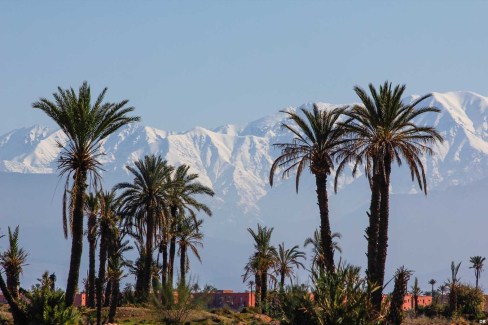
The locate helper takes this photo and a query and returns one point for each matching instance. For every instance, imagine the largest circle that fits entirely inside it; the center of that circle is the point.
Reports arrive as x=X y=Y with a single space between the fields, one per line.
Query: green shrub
x=470 y=301
x=341 y=297
x=293 y=306
x=174 y=306
x=46 y=306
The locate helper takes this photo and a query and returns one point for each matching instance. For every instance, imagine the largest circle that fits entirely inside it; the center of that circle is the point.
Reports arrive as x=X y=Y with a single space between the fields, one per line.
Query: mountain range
x=426 y=233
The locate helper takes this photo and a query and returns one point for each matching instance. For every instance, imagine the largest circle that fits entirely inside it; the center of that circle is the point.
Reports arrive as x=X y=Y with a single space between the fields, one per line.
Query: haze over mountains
x=426 y=233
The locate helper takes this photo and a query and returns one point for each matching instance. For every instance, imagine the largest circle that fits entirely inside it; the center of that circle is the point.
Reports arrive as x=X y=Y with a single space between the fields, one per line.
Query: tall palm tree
x=190 y=237
x=261 y=261
x=144 y=200
x=13 y=261
x=286 y=260
x=477 y=265
x=316 y=139
x=85 y=125
x=432 y=282
x=92 y=209
x=381 y=130
x=108 y=224
x=182 y=199
x=318 y=259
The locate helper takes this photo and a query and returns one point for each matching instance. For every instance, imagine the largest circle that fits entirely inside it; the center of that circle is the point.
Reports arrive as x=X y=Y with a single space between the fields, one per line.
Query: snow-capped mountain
x=235 y=161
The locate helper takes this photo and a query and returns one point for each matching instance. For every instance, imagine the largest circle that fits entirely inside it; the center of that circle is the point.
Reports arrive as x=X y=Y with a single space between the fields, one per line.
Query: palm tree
x=144 y=200
x=443 y=289
x=318 y=259
x=317 y=138
x=286 y=260
x=453 y=286
x=477 y=265
x=115 y=274
x=190 y=237
x=92 y=209
x=381 y=130
x=13 y=261
x=84 y=125
x=261 y=261
x=432 y=282
x=416 y=293
x=108 y=222
x=181 y=199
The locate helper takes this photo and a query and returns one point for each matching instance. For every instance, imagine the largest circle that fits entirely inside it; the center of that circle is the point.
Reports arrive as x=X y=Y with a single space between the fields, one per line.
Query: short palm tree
x=85 y=126
x=261 y=261
x=318 y=258
x=453 y=286
x=381 y=130
x=432 y=282
x=188 y=237
x=416 y=293
x=316 y=139
x=182 y=199
x=114 y=272
x=477 y=265
x=13 y=261
x=286 y=260
x=92 y=209
x=144 y=200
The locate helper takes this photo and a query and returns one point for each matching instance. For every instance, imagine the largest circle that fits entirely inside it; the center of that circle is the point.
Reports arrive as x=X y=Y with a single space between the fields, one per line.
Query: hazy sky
x=208 y=63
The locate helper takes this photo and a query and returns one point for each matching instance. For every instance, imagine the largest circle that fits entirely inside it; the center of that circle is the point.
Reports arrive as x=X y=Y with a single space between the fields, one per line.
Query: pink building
x=228 y=298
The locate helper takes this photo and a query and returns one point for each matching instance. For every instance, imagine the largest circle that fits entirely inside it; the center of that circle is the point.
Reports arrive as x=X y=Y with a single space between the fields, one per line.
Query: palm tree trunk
x=149 y=249
x=282 y=281
x=172 y=253
x=477 y=275
x=77 y=234
x=183 y=264
x=91 y=267
x=257 y=300
x=108 y=293
x=382 y=234
x=325 y=232
x=172 y=245
x=372 y=230
x=19 y=316
x=114 y=300
x=264 y=291
x=13 y=284
x=101 y=269
x=164 y=272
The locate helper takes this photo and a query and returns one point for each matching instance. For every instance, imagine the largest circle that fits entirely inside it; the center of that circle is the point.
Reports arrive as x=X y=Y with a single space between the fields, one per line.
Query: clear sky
x=208 y=63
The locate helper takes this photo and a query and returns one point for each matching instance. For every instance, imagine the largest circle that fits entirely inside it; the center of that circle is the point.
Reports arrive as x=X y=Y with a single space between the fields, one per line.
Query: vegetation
x=158 y=212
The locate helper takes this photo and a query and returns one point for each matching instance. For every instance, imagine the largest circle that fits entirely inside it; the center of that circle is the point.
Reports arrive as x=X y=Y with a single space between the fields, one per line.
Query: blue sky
x=208 y=63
